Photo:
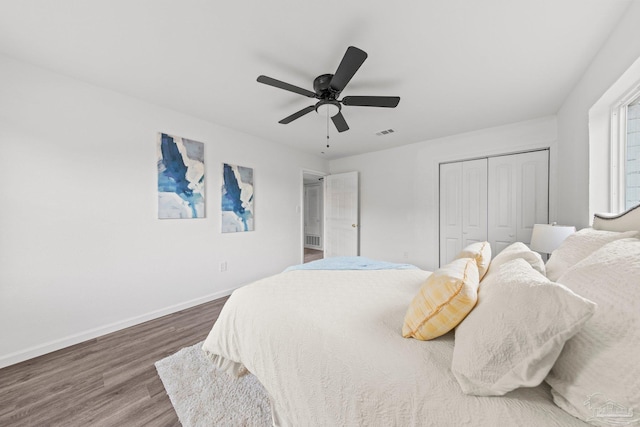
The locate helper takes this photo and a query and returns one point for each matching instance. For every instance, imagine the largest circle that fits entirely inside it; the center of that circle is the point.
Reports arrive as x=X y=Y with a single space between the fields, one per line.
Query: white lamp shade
x=547 y=237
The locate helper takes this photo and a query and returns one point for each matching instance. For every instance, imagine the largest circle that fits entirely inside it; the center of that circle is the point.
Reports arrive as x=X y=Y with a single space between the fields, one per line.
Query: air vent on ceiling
x=385 y=132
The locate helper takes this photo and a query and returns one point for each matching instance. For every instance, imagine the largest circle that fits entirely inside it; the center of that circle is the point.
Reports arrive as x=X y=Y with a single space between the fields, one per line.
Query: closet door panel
x=502 y=208
x=533 y=197
x=450 y=211
x=474 y=201
x=498 y=199
x=518 y=197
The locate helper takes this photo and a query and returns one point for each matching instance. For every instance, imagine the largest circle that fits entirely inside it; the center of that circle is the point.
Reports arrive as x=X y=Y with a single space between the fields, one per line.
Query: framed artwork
x=180 y=177
x=237 y=198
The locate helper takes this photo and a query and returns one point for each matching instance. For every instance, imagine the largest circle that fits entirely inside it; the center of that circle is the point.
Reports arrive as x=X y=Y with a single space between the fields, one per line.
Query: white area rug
x=204 y=396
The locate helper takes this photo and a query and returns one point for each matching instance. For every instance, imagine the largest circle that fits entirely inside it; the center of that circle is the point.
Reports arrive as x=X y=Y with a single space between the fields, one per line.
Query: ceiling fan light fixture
x=328 y=108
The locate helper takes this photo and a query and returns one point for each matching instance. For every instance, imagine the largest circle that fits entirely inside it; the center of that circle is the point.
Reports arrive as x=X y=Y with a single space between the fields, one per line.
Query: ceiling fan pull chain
x=327 y=128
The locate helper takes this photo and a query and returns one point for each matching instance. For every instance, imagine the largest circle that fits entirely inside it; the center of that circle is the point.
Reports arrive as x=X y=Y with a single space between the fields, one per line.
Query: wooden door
x=450 y=211
x=518 y=197
x=533 y=193
x=463 y=206
x=474 y=201
x=502 y=202
x=341 y=215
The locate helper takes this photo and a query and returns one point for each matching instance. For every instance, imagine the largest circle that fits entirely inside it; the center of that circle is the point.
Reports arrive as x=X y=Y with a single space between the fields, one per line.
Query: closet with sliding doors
x=497 y=199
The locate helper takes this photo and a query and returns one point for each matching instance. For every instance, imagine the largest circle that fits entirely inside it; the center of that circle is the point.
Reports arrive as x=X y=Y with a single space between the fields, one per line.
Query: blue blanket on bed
x=350 y=263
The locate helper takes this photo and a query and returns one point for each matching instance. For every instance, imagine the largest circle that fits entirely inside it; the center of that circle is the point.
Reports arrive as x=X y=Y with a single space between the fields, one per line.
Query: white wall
x=617 y=54
x=81 y=250
x=399 y=187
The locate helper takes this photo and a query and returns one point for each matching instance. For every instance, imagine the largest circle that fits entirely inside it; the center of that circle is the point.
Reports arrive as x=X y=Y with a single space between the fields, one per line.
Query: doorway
x=312 y=216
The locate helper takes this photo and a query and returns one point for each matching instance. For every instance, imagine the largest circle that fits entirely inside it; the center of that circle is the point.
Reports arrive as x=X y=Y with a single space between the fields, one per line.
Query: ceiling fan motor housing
x=328 y=104
x=321 y=85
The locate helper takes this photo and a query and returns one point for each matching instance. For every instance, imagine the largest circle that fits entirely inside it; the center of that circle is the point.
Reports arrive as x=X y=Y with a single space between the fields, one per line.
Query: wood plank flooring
x=312 y=255
x=107 y=381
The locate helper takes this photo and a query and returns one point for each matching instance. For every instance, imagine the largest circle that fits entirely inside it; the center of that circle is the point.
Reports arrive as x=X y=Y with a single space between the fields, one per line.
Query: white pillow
x=600 y=366
x=516 y=331
x=480 y=252
x=578 y=246
x=518 y=250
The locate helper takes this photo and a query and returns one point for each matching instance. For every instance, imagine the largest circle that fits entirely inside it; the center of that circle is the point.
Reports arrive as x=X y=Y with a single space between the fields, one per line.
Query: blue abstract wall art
x=237 y=198
x=180 y=177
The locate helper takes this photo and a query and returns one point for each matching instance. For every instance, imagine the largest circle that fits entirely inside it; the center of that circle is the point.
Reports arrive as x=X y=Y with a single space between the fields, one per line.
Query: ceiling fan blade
x=297 y=115
x=371 y=101
x=340 y=122
x=286 y=86
x=351 y=62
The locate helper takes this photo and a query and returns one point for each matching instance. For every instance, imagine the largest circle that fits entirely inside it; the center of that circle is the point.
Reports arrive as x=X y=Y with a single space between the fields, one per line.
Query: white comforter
x=327 y=347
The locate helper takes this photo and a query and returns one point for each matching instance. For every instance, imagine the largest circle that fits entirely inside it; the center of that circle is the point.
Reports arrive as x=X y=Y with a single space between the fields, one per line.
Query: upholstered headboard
x=626 y=221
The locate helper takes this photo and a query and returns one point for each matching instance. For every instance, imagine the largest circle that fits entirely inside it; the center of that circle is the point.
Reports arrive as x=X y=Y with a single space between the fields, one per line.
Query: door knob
x=354 y=225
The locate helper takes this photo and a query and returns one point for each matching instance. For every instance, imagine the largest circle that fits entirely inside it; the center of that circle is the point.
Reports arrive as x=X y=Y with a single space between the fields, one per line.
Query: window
x=625 y=152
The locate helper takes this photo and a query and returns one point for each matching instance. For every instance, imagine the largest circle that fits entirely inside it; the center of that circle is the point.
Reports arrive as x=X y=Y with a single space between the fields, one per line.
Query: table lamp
x=546 y=238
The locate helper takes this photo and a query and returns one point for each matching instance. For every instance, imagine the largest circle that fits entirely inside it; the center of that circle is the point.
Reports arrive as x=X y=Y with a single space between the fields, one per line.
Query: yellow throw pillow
x=479 y=251
x=446 y=298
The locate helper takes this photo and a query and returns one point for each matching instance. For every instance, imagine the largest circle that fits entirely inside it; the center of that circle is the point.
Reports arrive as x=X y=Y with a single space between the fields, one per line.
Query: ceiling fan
x=327 y=89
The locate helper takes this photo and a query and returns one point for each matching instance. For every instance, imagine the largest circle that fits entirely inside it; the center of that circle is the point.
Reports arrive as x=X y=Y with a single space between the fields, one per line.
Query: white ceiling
x=458 y=65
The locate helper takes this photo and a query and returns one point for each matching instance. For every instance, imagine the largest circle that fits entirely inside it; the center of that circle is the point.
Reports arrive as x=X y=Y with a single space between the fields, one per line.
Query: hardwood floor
x=312 y=255
x=107 y=381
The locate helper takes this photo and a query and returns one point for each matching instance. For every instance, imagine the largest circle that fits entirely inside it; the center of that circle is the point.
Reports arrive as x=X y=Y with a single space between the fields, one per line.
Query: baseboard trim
x=51 y=346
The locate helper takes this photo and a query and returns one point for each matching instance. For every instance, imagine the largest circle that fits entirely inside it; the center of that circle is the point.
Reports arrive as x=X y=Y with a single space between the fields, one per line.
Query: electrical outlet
x=223 y=266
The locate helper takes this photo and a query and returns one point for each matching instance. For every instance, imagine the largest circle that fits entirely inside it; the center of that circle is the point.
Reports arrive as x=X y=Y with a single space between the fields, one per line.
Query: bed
x=326 y=340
